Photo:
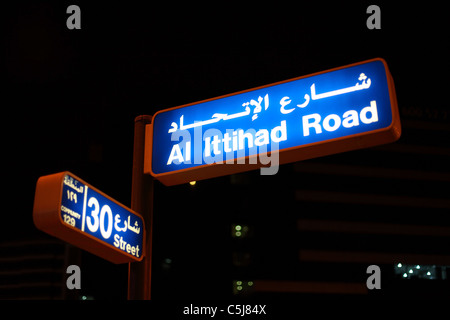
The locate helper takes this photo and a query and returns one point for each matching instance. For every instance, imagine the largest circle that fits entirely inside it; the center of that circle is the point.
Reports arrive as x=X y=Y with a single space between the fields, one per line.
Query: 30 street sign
x=333 y=111
x=70 y=209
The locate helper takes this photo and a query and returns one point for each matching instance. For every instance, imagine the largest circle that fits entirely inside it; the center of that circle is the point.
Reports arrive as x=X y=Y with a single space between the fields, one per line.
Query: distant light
x=239 y=288
x=405 y=275
x=417 y=267
x=238 y=228
x=83 y=298
x=399 y=265
x=192 y=183
x=410 y=271
x=428 y=273
x=238 y=233
x=239 y=283
x=250 y=283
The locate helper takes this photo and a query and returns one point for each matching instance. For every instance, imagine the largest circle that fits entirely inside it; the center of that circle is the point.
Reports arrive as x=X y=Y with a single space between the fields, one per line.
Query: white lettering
x=350 y=115
x=71 y=212
x=242 y=136
x=226 y=142
x=283 y=134
x=326 y=122
x=211 y=311
x=116 y=240
x=175 y=154
x=315 y=124
x=217 y=145
x=123 y=245
x=262 y=137
x=332 y=122
x=374 y=113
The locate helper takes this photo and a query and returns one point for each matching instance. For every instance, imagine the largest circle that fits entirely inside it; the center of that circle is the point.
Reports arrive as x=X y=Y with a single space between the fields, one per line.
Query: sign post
x=332 y=111
x=139 y=274
x=74 y=211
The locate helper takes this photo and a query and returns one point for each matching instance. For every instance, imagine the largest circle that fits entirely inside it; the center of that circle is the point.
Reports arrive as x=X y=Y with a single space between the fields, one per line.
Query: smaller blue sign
x=93 y=213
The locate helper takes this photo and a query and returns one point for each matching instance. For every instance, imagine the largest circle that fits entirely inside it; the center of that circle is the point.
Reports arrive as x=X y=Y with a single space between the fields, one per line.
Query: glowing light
x=410 y=271
x=238 y=228
x=192 y=183
x=250 y=283
x=405 y=275
x=399 y=265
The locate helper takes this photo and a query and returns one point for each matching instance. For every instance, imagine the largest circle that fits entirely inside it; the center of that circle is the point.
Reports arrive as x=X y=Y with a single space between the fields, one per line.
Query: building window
x=239 y=231
x=419 y=271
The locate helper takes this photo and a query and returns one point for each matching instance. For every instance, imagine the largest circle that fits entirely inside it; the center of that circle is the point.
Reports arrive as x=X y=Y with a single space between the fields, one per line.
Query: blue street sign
x=332 y=111
x=78 y=213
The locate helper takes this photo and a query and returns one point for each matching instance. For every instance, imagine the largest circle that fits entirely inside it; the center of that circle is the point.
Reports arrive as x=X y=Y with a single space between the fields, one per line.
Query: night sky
x=70 y=96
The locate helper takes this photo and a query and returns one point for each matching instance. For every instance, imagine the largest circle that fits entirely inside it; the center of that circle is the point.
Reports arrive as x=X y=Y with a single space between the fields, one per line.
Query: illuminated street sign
x=70 y=209
x=333 y=111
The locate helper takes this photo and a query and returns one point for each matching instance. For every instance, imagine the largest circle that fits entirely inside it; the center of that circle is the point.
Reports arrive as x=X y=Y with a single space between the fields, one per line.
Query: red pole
x=139 y=273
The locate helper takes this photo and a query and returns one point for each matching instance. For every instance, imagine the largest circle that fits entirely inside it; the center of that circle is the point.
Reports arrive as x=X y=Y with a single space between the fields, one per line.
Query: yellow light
x=192 y=183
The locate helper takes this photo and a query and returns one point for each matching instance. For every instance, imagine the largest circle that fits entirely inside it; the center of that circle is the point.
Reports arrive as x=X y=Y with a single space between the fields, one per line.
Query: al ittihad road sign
x=337 y=110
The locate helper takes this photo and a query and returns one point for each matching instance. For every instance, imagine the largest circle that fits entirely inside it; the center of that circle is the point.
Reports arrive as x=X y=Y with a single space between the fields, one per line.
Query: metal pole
x=139 y=273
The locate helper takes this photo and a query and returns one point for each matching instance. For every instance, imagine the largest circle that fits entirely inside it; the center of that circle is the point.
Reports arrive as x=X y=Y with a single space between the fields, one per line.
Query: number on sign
x=106 y=210
x=72 y=196
x=93 y=226
x=69 y=220
x=99 y=221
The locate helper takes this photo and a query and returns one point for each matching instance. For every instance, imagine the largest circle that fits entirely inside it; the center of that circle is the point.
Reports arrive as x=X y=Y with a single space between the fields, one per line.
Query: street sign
x=70 y=209
x=333 y=111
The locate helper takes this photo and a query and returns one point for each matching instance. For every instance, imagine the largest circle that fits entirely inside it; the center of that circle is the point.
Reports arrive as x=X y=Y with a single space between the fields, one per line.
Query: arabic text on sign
x=98 y=218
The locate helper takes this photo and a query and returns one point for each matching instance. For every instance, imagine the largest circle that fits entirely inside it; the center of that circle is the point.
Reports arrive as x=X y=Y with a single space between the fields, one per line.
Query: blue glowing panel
x=329 y=106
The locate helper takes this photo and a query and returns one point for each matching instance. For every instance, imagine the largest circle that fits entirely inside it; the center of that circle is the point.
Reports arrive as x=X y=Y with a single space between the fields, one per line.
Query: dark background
x=69 y=99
